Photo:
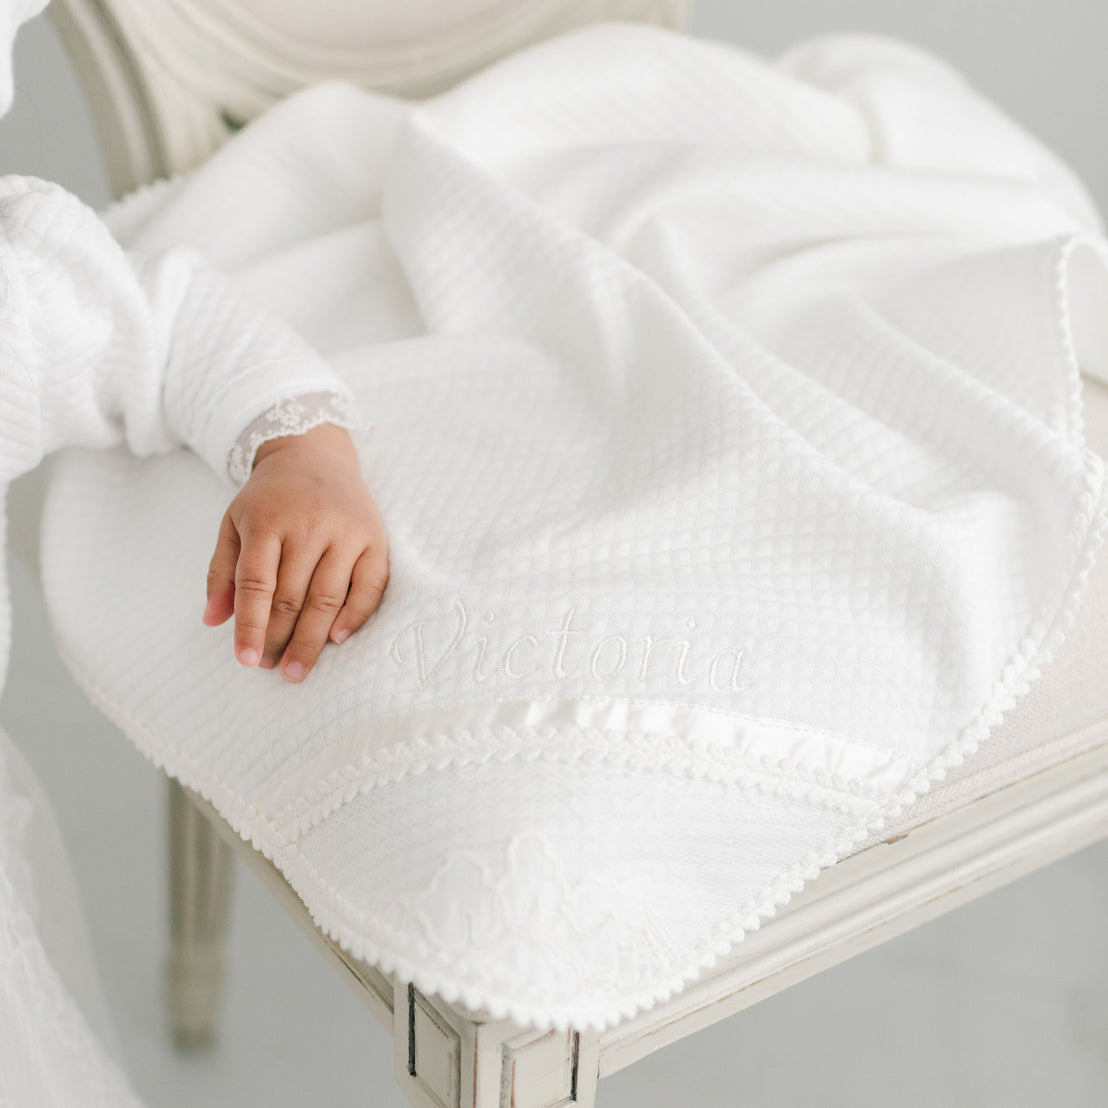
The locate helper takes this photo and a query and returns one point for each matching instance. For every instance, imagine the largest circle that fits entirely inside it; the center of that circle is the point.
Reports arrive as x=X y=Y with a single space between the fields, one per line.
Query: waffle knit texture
x=731 y=450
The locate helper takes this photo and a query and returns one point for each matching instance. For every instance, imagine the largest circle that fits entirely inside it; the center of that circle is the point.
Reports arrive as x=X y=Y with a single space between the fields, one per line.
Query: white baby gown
x=99 y=349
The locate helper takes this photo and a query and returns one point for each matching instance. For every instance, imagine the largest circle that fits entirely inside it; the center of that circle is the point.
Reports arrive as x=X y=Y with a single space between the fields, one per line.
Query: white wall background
x=1003 y=1003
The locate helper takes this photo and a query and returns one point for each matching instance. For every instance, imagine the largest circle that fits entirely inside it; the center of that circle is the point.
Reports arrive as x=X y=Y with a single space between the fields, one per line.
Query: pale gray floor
x=1003 y=1004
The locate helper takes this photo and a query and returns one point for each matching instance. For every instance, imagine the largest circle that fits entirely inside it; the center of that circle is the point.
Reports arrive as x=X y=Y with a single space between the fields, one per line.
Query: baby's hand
x=301 y=554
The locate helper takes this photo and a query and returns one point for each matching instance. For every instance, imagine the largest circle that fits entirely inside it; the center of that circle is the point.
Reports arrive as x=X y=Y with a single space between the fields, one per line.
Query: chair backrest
x=169 y=80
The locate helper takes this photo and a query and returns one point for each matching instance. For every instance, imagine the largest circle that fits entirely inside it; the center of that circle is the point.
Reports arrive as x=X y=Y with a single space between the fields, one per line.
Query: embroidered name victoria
x=560 y=653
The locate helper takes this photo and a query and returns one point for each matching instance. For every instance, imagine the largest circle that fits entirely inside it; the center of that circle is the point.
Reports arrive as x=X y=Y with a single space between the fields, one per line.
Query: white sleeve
x=233 y=372
x=153 y=351
x=292 y=415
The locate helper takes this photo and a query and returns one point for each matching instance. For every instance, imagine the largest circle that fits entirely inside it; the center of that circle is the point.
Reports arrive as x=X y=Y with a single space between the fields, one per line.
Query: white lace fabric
x=291 y=415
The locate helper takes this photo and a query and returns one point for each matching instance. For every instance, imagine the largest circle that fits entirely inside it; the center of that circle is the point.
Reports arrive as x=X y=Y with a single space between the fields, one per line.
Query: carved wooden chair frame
x=168 y=83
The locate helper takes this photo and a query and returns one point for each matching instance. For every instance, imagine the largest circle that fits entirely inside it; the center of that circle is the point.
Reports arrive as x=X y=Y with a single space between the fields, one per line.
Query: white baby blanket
x=728 y=437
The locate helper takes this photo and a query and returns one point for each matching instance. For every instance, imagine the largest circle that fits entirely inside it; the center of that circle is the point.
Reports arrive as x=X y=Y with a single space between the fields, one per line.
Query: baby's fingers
x=367 y=585
x=255 y=580
x=326 y=596
x=221 y=575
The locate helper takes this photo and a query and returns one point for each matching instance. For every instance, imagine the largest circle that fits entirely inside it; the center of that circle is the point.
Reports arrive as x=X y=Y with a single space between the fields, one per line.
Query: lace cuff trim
x=291 y=415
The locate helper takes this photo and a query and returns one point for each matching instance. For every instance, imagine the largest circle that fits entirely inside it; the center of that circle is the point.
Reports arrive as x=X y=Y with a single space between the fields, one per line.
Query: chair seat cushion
x=729 y=436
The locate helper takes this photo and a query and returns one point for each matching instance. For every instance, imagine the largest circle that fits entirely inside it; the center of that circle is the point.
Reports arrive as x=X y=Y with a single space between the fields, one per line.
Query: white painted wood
x=428 y=1053
x=115 y=86
x=170 y=80
x=199 y=887
x=444 y=1058
x=367 y=982
x=546 y=1069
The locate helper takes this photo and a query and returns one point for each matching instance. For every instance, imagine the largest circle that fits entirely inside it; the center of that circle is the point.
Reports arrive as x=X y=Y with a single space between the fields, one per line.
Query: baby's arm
x=304 y=531
x=160 y=351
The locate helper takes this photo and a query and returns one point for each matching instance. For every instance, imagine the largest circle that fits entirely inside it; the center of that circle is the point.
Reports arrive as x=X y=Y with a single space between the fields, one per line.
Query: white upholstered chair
x=168 y=81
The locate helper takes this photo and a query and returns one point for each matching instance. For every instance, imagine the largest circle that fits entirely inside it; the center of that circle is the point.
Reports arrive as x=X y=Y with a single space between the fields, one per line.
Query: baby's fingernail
x=293 y=671
x=342 y=635
x=248 y=657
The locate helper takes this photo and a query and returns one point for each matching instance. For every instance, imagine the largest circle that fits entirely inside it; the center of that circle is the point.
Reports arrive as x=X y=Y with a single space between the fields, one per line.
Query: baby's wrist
x=286 y=422
x=328 y=438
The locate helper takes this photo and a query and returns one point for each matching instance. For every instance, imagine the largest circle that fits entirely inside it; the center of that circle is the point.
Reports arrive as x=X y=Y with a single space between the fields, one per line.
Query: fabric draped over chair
x=730 y=443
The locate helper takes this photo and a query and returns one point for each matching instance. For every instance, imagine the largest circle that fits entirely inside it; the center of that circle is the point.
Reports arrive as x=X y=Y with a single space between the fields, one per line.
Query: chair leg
x=199 y=886
x=449 y=1058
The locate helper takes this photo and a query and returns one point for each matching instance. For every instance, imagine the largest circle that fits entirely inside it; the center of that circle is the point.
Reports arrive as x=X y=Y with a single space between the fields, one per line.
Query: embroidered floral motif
x=291 y=415
x=486 y=911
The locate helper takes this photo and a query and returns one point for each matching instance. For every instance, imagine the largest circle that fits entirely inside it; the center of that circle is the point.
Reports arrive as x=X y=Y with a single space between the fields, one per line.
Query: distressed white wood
x=115 y=87
x=428 y=1052
x=169 y=80
x=546 y=1069
x=368 y=983
x=199 y=887
x=447 y=1057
